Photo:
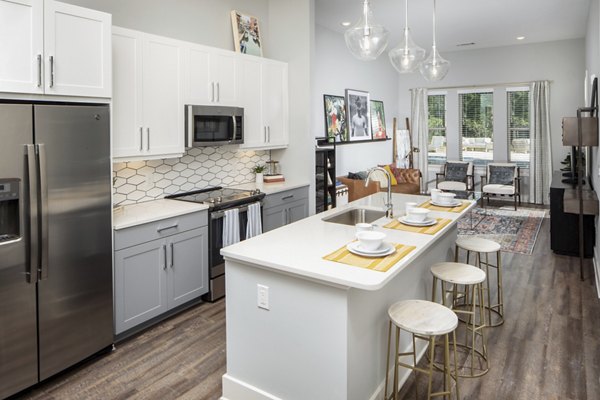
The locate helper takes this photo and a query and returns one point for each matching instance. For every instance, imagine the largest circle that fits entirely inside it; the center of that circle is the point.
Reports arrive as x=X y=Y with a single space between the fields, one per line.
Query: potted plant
x=259 y=169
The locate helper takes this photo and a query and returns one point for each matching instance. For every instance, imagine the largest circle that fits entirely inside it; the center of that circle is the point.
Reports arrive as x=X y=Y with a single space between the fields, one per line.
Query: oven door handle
x=221 y=213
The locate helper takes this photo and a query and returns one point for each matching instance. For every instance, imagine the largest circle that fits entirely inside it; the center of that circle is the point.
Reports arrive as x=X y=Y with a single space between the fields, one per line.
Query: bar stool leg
x=500 y=291
x=447 y=381
x=431 y=360
x=483 y=322
x=395 y=388
x=434 y=288
x=455 y=364
x=387 y=368
x=415 y=364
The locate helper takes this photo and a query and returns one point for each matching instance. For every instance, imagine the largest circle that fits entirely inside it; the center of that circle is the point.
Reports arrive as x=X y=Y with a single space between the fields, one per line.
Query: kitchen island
x=321 y=329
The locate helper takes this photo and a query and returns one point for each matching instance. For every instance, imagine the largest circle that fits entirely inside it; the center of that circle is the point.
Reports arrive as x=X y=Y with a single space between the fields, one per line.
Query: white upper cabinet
x=210 y=76
x=147 y=105
x=264 y=95
x=77 y=50
x=54 y=48
x=21 y=46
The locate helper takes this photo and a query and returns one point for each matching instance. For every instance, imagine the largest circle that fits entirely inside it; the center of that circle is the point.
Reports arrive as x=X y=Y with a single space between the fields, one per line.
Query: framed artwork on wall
x=336 y=126
x=246 y=34
x=359 y=115
x=378 y=128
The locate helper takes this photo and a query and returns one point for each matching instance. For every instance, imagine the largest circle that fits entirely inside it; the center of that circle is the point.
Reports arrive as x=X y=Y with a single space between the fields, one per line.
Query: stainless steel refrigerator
x=56 y=301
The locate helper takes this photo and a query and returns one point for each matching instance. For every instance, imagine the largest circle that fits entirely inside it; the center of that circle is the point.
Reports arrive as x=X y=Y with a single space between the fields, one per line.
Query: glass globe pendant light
x=366 y=40
x=434 y=68
x=407 y=56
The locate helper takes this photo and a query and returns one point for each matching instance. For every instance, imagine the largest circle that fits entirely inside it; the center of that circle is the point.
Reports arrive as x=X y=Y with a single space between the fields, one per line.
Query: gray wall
x=202 y=21
x=562 y=62
x=336 y=70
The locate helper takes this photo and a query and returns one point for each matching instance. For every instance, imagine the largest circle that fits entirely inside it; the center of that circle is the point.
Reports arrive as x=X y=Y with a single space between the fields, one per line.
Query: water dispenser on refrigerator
x=9 y=210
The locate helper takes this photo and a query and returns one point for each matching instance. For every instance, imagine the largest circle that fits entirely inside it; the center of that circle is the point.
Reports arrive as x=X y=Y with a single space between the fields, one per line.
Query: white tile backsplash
x=139 y=181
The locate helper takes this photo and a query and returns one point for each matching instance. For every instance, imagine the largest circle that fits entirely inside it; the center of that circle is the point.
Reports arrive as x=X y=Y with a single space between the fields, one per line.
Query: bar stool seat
x=471 y=278
x=424 y=320
x=478 y=245
x=482 y=248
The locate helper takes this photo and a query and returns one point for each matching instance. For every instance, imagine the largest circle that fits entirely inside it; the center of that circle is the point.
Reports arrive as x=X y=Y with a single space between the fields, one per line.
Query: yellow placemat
x=456 y=209
x=381 y=264
x=429 y=230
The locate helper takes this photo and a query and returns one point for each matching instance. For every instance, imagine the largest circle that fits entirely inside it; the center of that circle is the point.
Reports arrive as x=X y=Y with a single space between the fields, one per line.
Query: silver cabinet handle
x=32 y=184
x=269 y=133
x=189 y=111
x=39 y=71
x=265 y=129
x=213 y=93
x=159 y=230
x=51 y=59
x=41 y=159
x=291 y=196
x=218 y=92
x=164 y=247
x=141 y=138
x=172 y=255
x=148 y=139
x=234 y=126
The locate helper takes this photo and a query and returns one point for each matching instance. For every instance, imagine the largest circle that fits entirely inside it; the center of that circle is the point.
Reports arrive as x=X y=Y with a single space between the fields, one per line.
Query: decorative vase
x=259 y=178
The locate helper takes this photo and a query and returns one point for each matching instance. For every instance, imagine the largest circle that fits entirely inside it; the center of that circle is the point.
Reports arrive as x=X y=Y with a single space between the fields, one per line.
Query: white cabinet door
x=161 y=99
x=223 y=74
x=275 y=103
x=199 y=88
x=21 y=46
x=77 y=48
x=274 y=217
x=250 y=88
x=140 y=284
x=188 y=266
x=127 y=103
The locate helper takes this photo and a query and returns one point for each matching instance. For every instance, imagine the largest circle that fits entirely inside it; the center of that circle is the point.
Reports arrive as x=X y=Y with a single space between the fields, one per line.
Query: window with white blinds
x=518 y=127
x=436 y=148
x=476 y=128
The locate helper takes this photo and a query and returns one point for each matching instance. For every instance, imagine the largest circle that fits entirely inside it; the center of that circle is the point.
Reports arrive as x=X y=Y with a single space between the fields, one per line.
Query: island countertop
x=299 y=248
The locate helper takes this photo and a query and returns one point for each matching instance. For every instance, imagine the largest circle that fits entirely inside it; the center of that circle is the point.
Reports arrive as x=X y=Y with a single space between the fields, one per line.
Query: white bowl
x=418 y=214
x=362 y=226
x=445 y=198
x=370 y=240
x=434 y=194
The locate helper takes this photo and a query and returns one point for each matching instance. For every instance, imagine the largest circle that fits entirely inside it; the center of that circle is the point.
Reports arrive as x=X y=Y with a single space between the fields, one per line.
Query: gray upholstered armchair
x=455 y=176
x=501 y=179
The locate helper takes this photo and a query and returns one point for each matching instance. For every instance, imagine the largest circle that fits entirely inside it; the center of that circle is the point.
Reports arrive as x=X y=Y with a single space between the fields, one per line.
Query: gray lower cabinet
x=285 y=207
x=156 y=276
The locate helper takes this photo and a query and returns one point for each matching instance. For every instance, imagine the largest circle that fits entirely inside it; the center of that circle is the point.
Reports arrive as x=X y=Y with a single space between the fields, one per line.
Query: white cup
x=417 y=214
x=370 y=240
x=363 y=227
x=446 y=198
x=409 y=205
x=434 y=195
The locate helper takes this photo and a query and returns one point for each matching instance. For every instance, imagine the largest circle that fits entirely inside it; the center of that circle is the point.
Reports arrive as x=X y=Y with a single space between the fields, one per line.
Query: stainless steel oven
x=213 y=125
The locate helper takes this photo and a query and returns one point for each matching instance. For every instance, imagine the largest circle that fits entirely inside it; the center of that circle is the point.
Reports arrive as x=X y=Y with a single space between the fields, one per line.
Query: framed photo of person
x=246 y=34
x=359 y=115
x=336 y=125
x=378 y=120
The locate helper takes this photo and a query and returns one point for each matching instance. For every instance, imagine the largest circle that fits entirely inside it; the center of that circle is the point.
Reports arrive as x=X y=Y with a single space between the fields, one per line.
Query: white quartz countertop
x=299 y=248
x=272 y=188
x=150 y=211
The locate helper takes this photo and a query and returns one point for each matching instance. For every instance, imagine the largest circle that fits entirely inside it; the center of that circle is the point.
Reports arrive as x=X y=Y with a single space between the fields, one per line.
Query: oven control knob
x=256 y=191
x=218 y=199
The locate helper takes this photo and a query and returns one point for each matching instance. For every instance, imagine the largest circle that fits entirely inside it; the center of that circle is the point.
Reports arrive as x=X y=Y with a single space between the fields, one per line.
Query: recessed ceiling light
x=520 y=37
x=346 y=23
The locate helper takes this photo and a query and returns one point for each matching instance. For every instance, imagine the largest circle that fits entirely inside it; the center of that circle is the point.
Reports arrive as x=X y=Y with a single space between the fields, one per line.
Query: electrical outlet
x=262 y=296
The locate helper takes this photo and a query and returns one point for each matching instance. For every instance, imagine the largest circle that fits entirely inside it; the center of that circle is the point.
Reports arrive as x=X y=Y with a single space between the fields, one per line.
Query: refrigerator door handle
x=32 y=200
x=43 y=198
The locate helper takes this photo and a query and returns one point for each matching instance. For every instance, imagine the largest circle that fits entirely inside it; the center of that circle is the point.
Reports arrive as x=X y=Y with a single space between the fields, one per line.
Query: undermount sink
x=354 y=216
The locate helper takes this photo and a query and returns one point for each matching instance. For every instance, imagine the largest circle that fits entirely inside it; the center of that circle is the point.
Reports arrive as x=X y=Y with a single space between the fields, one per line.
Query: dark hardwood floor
x=548 y=348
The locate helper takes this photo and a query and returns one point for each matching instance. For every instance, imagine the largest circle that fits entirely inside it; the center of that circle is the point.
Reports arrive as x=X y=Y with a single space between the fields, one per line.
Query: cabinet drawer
x=288 y=196
x=159 y=229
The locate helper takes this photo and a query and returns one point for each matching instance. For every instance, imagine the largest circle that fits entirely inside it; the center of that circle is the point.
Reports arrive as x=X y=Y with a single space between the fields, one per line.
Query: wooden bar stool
x=424 y=320
x=481 y=246
x=471 y=278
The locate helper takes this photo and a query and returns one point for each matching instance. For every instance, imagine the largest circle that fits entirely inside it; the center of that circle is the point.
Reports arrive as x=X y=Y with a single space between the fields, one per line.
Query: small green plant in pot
x=259 y=169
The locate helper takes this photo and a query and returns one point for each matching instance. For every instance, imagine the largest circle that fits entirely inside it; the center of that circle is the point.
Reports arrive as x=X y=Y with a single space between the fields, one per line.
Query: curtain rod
x=484 y=86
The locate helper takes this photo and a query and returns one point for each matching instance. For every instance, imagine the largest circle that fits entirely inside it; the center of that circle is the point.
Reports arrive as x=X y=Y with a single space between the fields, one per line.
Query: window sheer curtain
x=420 y=131
x=540 y=170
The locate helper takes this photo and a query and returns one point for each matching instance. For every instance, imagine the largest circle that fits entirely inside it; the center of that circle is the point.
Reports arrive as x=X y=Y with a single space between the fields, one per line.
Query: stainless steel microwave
x=213 y=125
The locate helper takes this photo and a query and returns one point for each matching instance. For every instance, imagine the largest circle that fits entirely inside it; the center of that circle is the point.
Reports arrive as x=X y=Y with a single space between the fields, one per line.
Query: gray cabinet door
x=188 y=266
x=274 y=217
x=297 y=210
x=140 y=284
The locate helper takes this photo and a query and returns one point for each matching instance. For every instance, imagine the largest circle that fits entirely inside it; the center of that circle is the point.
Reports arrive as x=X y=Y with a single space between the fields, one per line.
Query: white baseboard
x=234 y=389
x=596 y=266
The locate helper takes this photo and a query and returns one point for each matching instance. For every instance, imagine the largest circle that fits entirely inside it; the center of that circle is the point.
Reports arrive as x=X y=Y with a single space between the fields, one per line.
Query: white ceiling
x=488 y=23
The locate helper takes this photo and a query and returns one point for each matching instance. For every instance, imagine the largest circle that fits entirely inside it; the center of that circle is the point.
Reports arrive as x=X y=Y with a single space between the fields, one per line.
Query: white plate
x=385 y=250
x=453 y=204
x=427 y=222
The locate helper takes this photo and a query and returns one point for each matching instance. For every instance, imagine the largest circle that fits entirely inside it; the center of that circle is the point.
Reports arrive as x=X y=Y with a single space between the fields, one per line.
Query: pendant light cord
x=405 y=15
x=434 y=23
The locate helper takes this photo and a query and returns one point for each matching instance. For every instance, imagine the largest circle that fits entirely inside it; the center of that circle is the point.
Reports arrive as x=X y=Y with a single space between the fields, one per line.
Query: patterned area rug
x=516 y=231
